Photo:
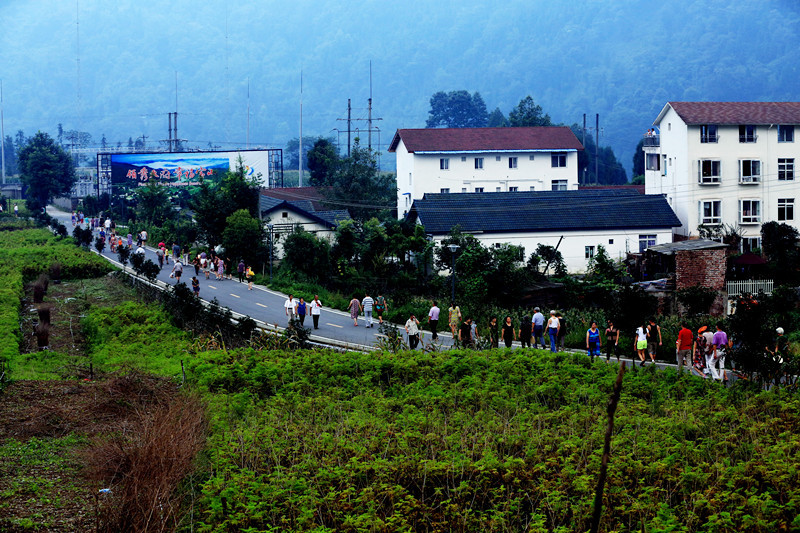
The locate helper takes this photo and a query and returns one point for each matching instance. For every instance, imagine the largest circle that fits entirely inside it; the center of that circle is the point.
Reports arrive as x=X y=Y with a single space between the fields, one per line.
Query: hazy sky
x=110 y=67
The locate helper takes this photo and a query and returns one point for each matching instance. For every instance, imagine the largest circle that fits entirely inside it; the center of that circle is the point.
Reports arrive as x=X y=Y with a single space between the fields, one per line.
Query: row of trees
x=460 y=109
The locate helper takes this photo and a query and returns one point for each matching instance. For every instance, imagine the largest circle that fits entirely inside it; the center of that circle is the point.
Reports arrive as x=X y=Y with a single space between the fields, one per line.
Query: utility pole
x=584 y=146
x=349 y=109
x=597 y=149
x=144 y=140
x=300 y=144
x=2 y=136
x=248 y=113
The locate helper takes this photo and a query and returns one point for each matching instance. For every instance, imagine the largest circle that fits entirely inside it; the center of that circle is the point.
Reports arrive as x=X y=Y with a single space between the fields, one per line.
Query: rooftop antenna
x=248 y=112
x=369 y=114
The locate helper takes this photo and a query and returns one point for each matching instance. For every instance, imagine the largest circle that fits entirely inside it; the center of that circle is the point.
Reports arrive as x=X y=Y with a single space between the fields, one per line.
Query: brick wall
x=700 y=267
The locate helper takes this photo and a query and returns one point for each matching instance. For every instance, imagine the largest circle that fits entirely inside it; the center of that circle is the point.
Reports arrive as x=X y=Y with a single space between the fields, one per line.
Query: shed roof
x=486 y=139
x=542 y=211
x=691 y=244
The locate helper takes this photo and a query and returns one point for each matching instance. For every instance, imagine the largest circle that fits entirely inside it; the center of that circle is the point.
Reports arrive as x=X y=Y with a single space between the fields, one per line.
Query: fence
x=749 y=286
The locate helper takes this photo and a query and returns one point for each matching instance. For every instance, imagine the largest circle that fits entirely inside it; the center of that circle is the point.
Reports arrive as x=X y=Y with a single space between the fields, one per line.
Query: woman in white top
x=641 y=343
x=552 y=330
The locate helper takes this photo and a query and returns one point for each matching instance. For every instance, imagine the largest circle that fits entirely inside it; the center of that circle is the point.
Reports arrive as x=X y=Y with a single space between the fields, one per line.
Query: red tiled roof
x=738 y=112
x=486 y=139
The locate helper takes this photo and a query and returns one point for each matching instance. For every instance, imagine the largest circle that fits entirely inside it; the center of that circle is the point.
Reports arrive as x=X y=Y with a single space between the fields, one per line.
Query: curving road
x=267 y=306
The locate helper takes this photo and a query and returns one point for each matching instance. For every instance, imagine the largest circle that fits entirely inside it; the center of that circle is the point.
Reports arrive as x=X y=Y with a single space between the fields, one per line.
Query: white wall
x=282 y=226
x=573 y=245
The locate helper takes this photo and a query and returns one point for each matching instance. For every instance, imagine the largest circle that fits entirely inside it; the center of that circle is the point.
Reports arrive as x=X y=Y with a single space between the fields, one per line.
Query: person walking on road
x=367 y=303
x=683 y=346
x=291 y=308
x=612 y=341
x=562 y=331
x=525 y=331
x=593 y=342
x=380 y=307
x=453 y=318
x=177 y=270
x=316 y=310
x=509 y=334
x=641 y=344
x=160 y=256
x=494 y=333
x=717 y=366
x=355 y=307
x=653 y=333
x=240 y=270
x=433 y=320
x=465 y=333
x=196 y=286
x=249 y=275
x=412 y=330
x=552 y=330
x=538 y=328
x=301 y=311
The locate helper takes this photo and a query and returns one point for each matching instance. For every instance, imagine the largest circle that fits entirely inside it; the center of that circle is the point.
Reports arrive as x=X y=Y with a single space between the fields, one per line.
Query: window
x=652 y=162
x=785 y=134
x=409 y=178
x=785 y=209
x=285 y=215
x=533 y=187
x=786 y=169
x=463 y=189
x=610 y=241
x=513 y=189
x=749 y=211
x=747 y=134
x=498 y=189
x=708 y=133
x=512 y=162
x=708 y=171
x=646 y=241
x=588 y=252
x=463 y=159
x=498 y=158
x=664 y=165
x=530 y=158
x=710 y=211
x=444 y=163
x=749 y=171
x=558 y=160
x=445 y=190
x=478 y=189
x=559 y=185
x=751 y=244
x=478 y=163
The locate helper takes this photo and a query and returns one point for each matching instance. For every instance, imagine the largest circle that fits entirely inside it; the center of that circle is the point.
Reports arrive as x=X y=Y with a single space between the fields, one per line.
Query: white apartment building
x=469 y=160
x=726 y=163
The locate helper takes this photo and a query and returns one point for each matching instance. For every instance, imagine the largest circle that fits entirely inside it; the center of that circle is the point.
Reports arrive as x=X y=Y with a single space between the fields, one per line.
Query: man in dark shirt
x=465 y=333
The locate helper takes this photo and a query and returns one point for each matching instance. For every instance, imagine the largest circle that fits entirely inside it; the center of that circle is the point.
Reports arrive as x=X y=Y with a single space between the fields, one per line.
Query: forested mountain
x=621 y=59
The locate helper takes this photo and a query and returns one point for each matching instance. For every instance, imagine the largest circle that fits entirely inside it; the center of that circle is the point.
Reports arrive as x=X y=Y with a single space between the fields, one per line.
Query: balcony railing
x=652 y=140
x=710 y=138
x=748 y=138
x=749 y=286
x=750 y=180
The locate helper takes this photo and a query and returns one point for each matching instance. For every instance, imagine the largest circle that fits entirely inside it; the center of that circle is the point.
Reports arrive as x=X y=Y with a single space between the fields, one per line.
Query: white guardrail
x=749 y=286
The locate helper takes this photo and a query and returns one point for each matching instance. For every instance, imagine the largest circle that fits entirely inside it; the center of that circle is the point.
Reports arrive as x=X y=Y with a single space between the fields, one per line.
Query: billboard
x=187 y=169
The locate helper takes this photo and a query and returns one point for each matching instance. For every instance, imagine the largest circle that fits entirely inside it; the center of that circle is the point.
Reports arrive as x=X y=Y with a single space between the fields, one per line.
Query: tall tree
x=638 y=159
x=243 y=237
x=153 y=205
x=11 y=156
x=360 y=188
x=46 y=170
x=457 y=109
x=528 y=113
x=322 y=161
x=290 y=154
x=497 y=119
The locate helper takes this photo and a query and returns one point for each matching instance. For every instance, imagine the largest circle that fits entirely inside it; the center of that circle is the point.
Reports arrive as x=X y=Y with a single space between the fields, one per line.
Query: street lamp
x=271 y=227
x=453 y=249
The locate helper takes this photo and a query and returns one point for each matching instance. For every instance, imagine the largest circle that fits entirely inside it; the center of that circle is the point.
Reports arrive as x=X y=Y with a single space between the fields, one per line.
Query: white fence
x=749 y=286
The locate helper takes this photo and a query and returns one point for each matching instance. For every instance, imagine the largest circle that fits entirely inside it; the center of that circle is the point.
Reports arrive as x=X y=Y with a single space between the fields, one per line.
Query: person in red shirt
x=684 y=346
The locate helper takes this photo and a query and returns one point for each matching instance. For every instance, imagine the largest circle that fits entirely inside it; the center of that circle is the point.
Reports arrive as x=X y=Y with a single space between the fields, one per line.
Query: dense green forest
x=622 y=59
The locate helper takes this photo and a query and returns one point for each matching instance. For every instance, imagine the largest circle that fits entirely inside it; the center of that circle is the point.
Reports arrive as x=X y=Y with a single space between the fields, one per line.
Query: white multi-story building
x=726 y=163
x=468 y=160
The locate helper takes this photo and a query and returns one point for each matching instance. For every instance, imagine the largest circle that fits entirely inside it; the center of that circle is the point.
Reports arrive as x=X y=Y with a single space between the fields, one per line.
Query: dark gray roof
x=305 y=207
x=540 y=211
x=692 y=244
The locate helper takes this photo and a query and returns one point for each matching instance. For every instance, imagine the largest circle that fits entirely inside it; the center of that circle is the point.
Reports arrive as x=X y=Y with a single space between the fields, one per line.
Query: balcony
x=710 y=138
x=652 y=140
x=749 y=286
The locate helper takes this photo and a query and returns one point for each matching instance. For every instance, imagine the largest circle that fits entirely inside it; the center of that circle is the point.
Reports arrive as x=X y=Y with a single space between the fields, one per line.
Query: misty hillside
x=622 y=59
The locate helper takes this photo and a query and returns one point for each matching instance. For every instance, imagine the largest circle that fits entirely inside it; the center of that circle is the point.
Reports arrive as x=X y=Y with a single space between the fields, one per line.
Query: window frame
x=480 y=189
x=710 y=179
x=444 y=190
x=444 y=163
x=558 y=160
x=785 y=209
x=478 y=163
x=787 y=172
x=755 y=205
x=747 y=133
x=512 y=162
x=648 y=240
x=714 y=219
x=513 y=189
x=588 y=252
x=783 y=129
x=648 y=160
x=559 y=185
x=708 y=133
x=751 y=178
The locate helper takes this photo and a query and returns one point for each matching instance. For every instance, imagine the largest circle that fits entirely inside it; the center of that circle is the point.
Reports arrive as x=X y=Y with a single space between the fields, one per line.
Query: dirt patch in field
x=47 y=427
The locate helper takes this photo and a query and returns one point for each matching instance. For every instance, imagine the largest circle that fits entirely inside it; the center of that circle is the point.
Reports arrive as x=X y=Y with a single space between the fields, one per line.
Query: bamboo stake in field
x=601 y=480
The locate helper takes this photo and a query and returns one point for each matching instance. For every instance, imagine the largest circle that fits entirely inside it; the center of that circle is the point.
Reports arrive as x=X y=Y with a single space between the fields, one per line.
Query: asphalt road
x=265 y=305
